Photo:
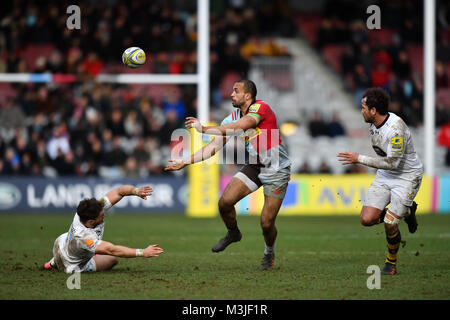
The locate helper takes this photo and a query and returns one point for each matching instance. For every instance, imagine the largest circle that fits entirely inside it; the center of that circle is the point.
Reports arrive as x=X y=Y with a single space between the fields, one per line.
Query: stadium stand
x=391 y=57
x=317 y=58
x=75 y=125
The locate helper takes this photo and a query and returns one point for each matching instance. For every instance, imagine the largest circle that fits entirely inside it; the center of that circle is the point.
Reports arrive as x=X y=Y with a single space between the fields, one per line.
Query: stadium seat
x=332 y=54
x=447 y=69
x=227 y=83
x=33 y=51
x=280 y=79
x=381 y=36
x=6 y=92
x=309 y=24
x=443 y=95
x=415 y=53
x=445 y=35
x=159 y=91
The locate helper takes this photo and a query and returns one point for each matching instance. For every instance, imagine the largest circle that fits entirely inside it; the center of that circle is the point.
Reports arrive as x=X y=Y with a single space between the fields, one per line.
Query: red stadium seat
x=6 y=92
x=309 y=24
x=381 y=36
x=119 y=67
x=332 y=54
x=443 y=95
x=447 y=68
x=415 y=53
x=33 y=51
x=445 y=35
x=227 y=83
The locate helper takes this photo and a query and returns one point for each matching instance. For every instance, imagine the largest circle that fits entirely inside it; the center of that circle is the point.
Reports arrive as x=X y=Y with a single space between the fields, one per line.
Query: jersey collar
x=382 y=124
x=243 y=114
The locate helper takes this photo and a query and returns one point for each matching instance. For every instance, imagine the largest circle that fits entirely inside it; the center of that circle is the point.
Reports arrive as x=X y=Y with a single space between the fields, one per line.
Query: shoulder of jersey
x=395 y=119
x=257 y=105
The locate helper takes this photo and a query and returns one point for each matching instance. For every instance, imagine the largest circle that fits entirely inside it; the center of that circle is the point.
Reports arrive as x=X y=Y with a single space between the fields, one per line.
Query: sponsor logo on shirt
x=254 y=107
x=397 y=144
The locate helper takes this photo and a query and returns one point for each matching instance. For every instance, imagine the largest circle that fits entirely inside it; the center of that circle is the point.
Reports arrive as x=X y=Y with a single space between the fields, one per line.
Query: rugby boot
x=389 y=269
x=230 y=237
x=50 y=265
x=267 y=261
x=411 y=218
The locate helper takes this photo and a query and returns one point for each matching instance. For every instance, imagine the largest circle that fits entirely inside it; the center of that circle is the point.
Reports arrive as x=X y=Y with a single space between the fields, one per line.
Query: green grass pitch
x=316 y=258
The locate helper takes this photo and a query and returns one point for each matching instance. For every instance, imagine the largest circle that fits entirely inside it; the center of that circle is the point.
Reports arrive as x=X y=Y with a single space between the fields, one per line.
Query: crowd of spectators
x=165 y=30
x=318 y=126
x=88 y=128
x=390 y=57
x=56 y=132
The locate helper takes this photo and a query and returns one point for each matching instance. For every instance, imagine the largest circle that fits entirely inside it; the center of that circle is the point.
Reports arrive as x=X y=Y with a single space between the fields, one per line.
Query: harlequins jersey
x=264 y=142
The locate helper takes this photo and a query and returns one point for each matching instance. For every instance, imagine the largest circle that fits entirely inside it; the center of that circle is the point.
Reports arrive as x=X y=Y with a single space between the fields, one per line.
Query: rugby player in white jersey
x=255 y=122
x=398 y=177
x=82 y=249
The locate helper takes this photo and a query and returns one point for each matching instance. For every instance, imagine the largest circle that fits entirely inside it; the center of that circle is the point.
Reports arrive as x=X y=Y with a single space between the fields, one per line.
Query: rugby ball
x=133 y=57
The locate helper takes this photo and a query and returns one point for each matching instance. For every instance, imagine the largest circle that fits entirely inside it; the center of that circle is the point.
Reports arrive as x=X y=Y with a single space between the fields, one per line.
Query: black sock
x=393 y=244
x=233 y=227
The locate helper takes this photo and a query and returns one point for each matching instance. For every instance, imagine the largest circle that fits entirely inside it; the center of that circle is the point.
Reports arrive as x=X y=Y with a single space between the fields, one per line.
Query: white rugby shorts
x=398 y=192
x=64 y=265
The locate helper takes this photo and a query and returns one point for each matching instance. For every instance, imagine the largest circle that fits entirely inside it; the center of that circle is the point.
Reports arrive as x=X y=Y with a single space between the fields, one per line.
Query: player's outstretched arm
x=107 y=248
x=246 y=122
x=386 y=163
x=202 y=154
x=117 y=194
x=348 y=157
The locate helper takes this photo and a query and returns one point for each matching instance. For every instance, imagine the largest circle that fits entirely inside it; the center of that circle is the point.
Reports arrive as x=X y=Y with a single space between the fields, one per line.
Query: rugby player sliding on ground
x=82 y=249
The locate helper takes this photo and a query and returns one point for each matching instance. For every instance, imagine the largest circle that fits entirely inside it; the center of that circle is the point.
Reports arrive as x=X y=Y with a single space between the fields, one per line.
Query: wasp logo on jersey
x=397 y=144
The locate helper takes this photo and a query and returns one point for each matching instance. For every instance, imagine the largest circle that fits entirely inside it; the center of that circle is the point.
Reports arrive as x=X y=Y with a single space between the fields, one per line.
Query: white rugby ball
x=133 y=57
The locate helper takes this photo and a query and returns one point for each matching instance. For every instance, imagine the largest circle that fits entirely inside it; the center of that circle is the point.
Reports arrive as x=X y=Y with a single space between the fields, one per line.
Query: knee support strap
x=390 y=219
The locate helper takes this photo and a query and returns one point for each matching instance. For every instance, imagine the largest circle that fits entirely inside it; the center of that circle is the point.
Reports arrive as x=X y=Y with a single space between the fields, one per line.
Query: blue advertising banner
x=444 y=194
x=40 y=195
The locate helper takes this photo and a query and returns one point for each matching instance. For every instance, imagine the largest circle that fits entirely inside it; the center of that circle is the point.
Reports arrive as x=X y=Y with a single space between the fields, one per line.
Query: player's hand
x=348 y=157
x=144 y=192
x=192 y=122
x=152 y=251
x=177 y=164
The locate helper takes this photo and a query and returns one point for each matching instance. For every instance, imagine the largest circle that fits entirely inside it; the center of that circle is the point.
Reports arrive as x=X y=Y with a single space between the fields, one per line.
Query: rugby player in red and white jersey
x=269 y=164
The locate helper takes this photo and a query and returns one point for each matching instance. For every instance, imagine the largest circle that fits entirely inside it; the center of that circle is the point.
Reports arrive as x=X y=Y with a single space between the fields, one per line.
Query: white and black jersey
x=393 y=144
x=75 y=248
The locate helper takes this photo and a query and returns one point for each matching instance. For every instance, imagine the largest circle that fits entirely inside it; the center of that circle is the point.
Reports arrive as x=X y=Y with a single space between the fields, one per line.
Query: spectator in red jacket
x=92 y=65
x=381 y=75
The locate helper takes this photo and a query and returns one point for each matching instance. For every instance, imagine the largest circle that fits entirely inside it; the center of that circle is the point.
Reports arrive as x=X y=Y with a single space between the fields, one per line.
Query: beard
x=236 y=104
x=368 y=119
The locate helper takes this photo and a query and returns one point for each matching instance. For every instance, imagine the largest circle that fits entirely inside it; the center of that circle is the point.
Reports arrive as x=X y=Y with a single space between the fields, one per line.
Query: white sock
x=269 y=250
